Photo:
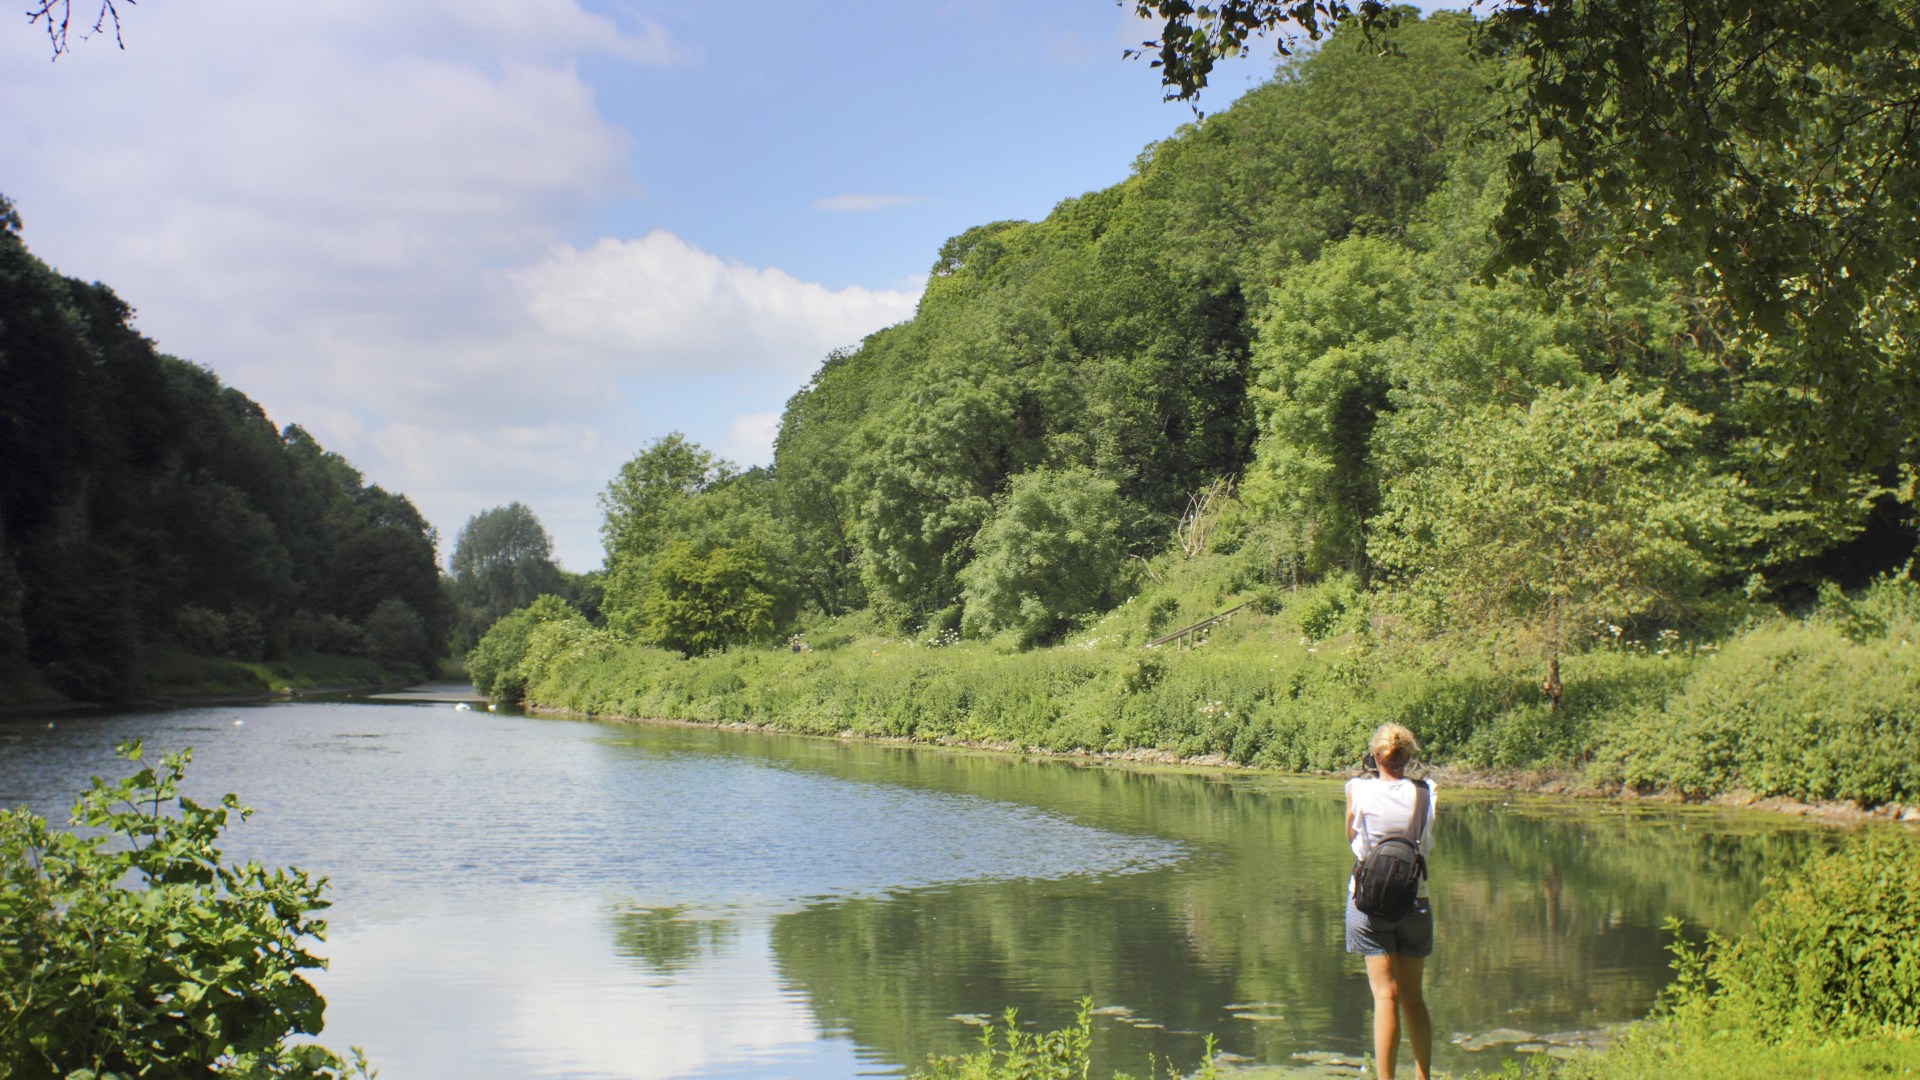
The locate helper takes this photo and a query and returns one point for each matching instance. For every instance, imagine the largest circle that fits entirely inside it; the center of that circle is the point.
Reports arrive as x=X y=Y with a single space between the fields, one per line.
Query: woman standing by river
x=1396 y=950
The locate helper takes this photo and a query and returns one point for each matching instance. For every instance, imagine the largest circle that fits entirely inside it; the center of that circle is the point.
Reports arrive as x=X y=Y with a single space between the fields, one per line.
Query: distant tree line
x=144 y=507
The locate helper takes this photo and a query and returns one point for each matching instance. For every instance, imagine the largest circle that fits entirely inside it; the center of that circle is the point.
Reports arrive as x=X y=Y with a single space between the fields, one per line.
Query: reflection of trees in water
x=1548 y=916
x=893 y=971
x=664 y=941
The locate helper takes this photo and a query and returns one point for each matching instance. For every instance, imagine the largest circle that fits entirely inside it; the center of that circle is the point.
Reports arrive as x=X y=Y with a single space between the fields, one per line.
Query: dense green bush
x=494 y=664
x=1052 y=552
x=132 y=950
x=1826 y=707
x=1834 y=949
x=399 y=634
x=702 y=601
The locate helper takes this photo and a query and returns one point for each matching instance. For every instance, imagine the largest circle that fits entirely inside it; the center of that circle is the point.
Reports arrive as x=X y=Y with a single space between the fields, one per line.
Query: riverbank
x=1813 y=715
x=1566 y=784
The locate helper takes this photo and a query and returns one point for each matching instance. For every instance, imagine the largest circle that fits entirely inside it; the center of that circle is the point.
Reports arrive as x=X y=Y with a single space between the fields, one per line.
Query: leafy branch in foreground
x=131 y=950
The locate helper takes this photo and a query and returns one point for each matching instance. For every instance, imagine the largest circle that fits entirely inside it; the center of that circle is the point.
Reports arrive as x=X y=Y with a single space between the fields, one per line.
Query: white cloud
x=750 y=437
x=354 y=213
x=860 y=204
x=658 y=304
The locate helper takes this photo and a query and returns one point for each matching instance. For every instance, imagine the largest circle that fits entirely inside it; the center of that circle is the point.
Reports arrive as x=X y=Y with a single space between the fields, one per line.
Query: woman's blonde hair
x=1393 y=746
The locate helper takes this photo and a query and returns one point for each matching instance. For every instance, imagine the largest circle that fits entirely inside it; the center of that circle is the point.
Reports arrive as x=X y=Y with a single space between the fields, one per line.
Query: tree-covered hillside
x=148 y=513
x=1589 y=522
x=1290 y=299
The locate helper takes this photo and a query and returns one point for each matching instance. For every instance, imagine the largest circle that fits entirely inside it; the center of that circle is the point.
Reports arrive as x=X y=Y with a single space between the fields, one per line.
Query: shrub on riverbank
x=1825 y=983
x=1826 y=707
x=1256 y=693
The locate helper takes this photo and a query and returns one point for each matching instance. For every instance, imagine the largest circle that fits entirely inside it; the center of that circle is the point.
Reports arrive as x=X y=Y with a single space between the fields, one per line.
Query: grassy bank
x=1820 y=706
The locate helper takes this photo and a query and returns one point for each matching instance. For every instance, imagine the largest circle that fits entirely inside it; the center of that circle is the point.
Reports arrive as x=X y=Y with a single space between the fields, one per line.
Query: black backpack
x=1387 y=881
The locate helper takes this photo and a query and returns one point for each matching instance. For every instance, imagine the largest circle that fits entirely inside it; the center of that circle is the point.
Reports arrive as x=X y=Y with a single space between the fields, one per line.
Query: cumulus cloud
x=355 y=212
x=658 y=304
x=751 y=435
x=285 y=195
x=860 y=204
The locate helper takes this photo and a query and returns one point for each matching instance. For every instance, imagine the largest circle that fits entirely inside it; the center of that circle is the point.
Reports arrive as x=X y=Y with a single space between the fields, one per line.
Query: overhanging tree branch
x=57 y=16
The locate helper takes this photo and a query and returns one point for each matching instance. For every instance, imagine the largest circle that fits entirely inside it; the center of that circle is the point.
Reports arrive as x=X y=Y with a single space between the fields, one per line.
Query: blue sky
x=488 y=249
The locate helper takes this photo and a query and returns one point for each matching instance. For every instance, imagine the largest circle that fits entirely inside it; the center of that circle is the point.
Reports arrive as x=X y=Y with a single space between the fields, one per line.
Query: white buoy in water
x=461 y=706
x=239 y=723
x=490 y=708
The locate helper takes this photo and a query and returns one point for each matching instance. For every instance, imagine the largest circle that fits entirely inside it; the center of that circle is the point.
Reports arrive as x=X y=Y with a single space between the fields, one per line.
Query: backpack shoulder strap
x=1421 y=794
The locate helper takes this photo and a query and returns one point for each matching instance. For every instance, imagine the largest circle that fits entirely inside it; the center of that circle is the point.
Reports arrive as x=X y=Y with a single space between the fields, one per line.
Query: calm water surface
x=524 y=897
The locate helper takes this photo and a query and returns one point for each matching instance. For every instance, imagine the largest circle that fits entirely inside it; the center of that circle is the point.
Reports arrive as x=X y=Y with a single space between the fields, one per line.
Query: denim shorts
x=1370 y=935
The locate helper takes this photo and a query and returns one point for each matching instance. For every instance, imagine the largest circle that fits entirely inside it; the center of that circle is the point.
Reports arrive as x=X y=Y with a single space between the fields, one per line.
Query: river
x=527 y=897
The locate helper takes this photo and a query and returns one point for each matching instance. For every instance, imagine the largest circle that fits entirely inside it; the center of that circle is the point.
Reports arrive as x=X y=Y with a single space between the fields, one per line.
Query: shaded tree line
x=146 y=507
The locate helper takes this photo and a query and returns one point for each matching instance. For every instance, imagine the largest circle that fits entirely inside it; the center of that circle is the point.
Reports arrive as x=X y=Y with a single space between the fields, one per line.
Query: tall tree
x=669 y=469
x=636 y=522
x=1590 y=506
x=502 y=560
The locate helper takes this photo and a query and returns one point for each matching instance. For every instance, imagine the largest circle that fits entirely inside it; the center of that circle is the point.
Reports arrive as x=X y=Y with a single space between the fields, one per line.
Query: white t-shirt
x=1383 y=808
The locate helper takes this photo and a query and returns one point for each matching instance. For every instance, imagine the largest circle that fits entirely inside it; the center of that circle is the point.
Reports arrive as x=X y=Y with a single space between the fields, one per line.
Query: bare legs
x=1398 y=996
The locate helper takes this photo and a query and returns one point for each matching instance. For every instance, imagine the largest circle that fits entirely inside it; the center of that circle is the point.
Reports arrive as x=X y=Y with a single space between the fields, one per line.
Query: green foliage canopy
x=140 y=496
x=1585 y=508
x=1771 y=146
x=667 y=470
x=702 y=601
x=1054 y=550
